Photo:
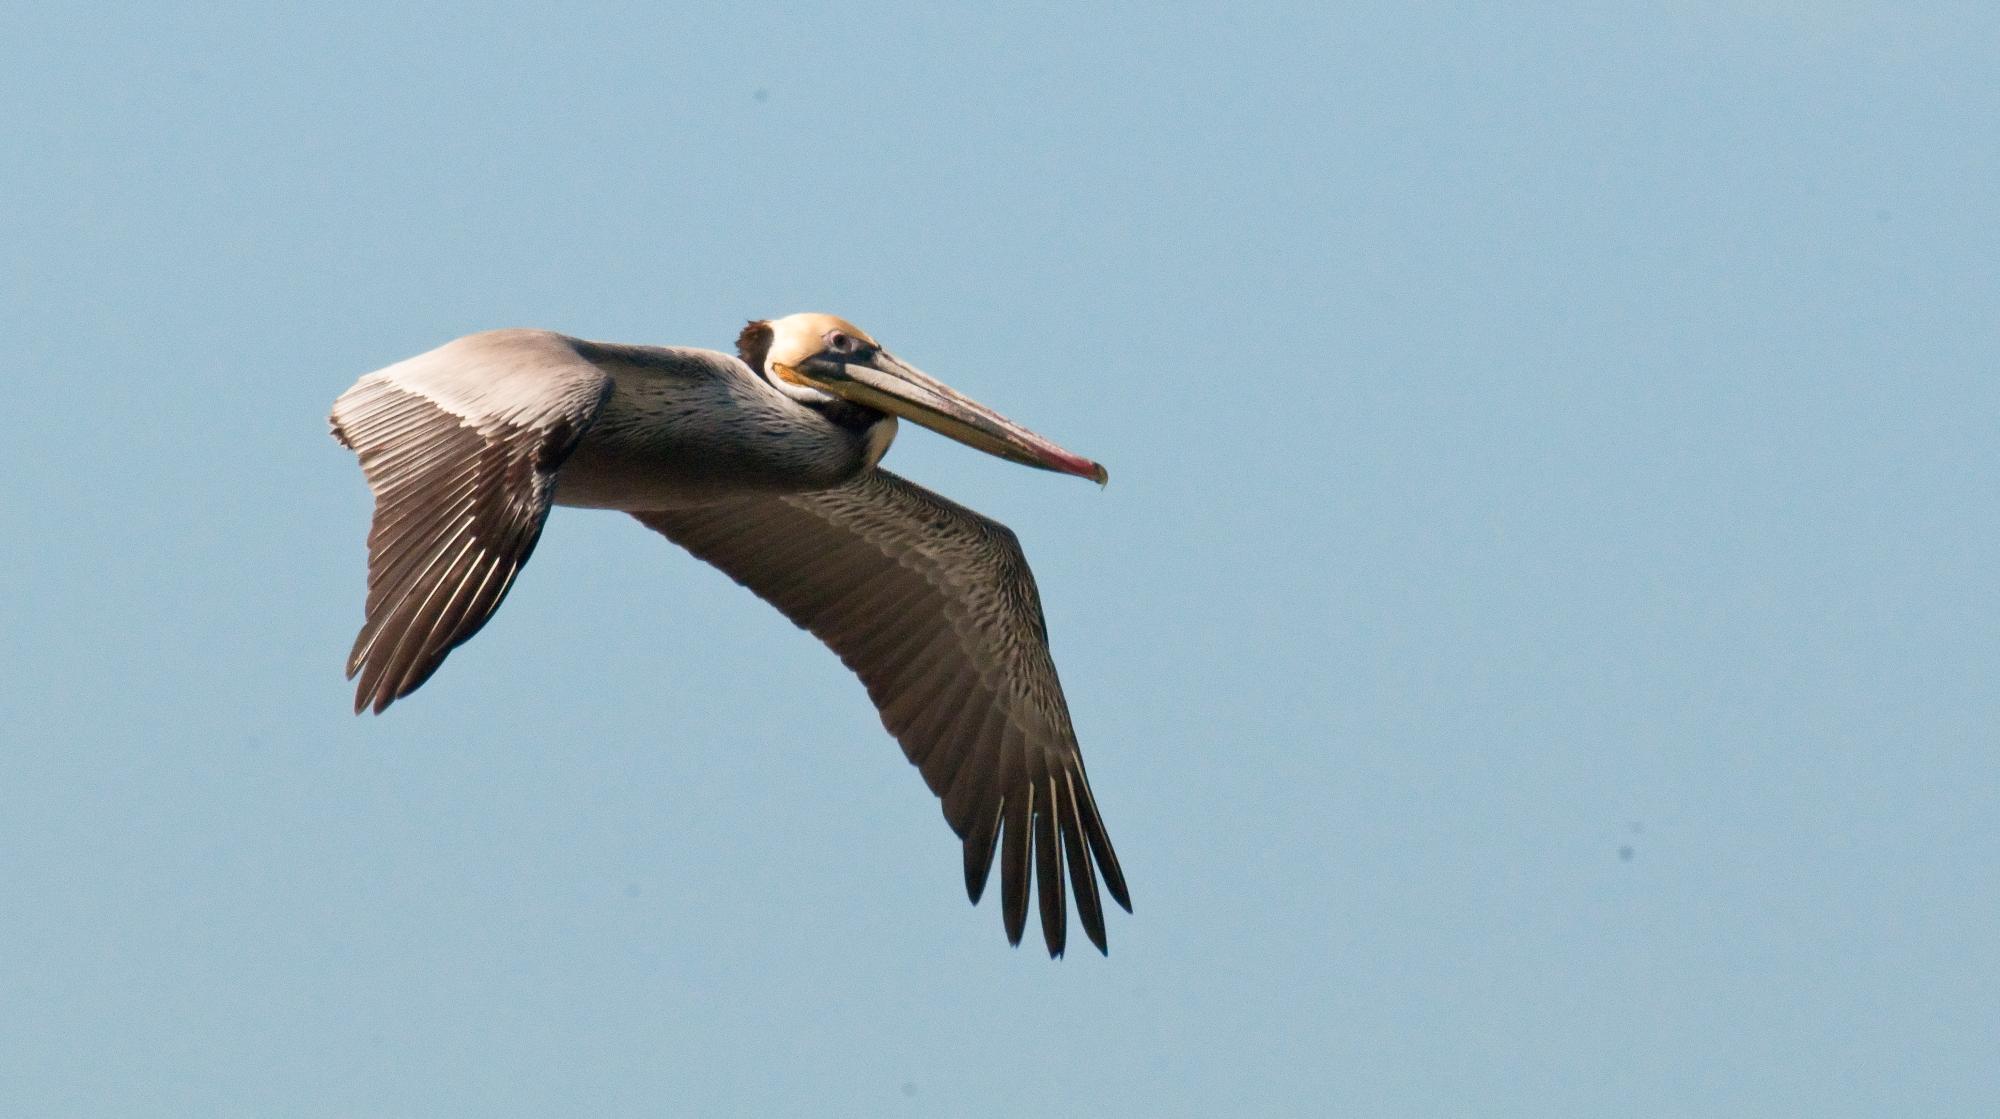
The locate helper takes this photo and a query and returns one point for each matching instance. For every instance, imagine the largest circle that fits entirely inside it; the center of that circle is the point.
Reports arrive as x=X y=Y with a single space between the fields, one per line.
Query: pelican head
x=816 y=358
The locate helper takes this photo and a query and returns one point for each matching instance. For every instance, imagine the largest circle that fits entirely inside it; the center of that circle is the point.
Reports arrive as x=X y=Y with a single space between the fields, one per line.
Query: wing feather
x=460 y=446
x=1083 y=877
x=1048 y=866
x=934 y=608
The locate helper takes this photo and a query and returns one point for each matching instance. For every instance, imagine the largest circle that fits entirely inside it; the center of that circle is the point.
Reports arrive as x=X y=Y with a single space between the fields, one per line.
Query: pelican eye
x=842 y=343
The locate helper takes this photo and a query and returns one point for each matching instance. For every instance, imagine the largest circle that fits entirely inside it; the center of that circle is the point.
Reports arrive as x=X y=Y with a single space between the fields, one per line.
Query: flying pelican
x=764 y=465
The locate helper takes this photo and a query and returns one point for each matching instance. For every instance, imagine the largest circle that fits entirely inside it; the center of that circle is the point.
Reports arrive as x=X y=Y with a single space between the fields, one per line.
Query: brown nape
x=754 y=343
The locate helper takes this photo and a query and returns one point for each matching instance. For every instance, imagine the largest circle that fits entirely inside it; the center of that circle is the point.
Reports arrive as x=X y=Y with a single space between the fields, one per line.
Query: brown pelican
x=763 y=465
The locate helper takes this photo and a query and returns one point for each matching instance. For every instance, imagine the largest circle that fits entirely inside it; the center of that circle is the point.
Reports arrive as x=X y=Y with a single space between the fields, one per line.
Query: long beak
x=886 y=384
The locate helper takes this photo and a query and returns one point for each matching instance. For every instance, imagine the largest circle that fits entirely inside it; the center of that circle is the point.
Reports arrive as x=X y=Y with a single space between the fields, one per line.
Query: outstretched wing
x=933 y=607
x=460 y=446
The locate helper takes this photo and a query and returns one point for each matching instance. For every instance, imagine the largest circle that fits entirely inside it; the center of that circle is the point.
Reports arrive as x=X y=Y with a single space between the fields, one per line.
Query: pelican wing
x=460 y=446
x=933 y=607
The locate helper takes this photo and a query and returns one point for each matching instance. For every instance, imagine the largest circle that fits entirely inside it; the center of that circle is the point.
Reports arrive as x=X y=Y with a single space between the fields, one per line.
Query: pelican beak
x=882 y=382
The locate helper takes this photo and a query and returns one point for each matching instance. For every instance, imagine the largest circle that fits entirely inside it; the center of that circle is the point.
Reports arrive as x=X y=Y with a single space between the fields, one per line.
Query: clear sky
x=1536 y=654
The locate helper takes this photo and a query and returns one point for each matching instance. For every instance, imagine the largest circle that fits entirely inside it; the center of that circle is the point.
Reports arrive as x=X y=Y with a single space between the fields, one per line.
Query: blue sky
x=1536 y=653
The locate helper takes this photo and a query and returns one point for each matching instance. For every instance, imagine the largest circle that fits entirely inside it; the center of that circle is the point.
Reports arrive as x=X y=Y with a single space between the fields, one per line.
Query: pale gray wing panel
x=460 y=446
x=933 y=607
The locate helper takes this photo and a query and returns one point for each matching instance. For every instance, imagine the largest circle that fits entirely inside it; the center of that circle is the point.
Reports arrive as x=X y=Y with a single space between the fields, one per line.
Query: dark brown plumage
x=933 y=607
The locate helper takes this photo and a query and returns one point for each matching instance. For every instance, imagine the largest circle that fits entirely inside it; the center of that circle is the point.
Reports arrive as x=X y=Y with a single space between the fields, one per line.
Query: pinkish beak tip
x=1078 y=465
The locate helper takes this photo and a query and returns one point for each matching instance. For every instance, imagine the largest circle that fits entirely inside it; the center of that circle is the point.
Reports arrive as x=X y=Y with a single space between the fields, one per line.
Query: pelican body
x=764 y=464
